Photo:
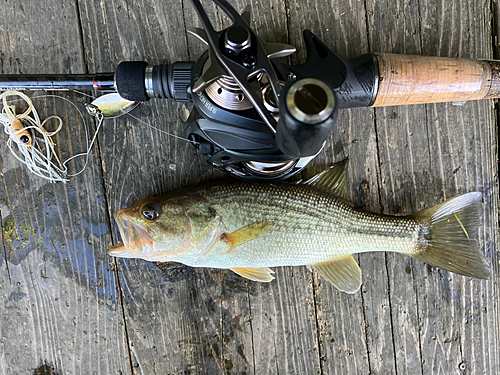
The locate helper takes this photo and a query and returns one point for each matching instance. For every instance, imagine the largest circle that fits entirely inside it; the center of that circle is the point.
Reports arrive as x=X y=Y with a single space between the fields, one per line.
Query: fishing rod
x=258 y=118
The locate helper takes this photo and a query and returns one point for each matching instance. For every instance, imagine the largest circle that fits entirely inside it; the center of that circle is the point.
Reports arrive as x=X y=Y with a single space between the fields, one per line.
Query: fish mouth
x=136 y=239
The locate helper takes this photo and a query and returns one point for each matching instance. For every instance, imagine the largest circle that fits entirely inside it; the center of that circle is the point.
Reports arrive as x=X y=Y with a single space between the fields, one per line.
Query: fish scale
x=248 y=227
x=310 y=226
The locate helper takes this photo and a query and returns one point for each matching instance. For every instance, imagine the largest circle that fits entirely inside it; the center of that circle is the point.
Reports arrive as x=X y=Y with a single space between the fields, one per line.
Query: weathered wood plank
x=407 y=318
x=427 y=154
x=469 y=163
x=391 y=315
x=287 y=307
x=236 y=353
x=395 y=26
x=173 y=317
x=228 y=319
x=284 y=324
x=349 y=330
x=58 y=291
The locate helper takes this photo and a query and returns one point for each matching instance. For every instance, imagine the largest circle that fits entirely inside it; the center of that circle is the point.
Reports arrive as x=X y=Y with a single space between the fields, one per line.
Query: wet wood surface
x=66 y=305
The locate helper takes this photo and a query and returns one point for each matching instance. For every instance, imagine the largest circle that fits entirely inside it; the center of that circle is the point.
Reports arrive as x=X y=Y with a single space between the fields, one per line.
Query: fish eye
x=24 y=139
x=150 y=212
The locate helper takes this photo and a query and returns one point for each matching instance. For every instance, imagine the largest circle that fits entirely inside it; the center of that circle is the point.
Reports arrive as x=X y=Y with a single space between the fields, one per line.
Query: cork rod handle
x=406 y=79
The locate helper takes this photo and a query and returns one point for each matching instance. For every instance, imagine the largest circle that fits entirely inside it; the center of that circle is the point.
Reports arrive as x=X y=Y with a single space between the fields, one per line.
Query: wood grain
x=427 y=154
x=343 y=324
x=173 y=321
x=59 y=297
x=69 y=305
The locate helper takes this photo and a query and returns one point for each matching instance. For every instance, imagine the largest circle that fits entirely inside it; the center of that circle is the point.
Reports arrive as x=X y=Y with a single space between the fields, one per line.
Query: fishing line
x=84 y=94
x=163 y=131
x=147 y=123
x=33 y=145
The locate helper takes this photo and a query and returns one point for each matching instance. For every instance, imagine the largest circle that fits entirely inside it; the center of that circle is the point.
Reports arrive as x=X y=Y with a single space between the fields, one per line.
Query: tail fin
x=451 y=243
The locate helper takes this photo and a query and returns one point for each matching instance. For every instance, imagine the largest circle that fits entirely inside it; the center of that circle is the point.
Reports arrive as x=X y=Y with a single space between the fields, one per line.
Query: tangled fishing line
x=31 y=143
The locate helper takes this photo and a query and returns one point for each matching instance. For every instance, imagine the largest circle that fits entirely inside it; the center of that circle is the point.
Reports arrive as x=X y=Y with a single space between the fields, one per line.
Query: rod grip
x=130 y=77
x=407 y=79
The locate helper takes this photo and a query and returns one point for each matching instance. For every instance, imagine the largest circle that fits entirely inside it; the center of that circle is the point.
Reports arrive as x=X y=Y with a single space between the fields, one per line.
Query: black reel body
x=253 y=116
x=232 y=135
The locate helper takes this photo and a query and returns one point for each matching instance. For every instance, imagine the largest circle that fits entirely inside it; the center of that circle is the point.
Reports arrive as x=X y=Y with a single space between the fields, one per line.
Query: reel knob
x=308 y=111
x=236 y=39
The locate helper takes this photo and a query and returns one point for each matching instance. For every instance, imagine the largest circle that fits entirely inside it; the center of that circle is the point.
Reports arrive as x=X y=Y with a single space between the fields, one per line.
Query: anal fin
x=343 y=273
x=262 y=274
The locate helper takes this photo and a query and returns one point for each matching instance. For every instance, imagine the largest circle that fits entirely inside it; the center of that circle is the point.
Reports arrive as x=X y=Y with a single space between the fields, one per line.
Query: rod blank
x=99 y=82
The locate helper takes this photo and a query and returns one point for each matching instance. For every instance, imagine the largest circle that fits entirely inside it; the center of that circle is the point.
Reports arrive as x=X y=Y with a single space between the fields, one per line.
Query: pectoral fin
x=262 y=274
x=343 y=273
x=246 y=234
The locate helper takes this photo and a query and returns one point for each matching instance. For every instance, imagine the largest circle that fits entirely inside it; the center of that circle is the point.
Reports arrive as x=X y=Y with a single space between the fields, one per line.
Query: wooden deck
x=67 y=306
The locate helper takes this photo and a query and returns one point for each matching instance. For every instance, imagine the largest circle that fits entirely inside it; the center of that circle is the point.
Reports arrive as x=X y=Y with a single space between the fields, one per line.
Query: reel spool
x=226 y=93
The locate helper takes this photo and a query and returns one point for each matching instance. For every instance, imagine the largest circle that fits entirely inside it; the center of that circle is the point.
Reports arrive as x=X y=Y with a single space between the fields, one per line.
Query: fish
x=249 y=227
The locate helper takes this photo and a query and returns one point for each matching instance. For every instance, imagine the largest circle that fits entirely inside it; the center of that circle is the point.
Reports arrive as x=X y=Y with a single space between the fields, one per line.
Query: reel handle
x=407 y=79
x=308 y=111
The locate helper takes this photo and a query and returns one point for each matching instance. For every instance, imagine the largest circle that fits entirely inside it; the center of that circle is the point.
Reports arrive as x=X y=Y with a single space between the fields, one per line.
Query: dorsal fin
x=333 y=180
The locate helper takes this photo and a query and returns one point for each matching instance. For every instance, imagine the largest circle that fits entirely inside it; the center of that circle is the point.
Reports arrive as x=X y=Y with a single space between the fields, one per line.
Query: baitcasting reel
x=253 y=116
x=260 y=119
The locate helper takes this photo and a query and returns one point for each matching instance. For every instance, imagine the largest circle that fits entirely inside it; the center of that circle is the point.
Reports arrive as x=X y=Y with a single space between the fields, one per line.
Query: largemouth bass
x=248 y=227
